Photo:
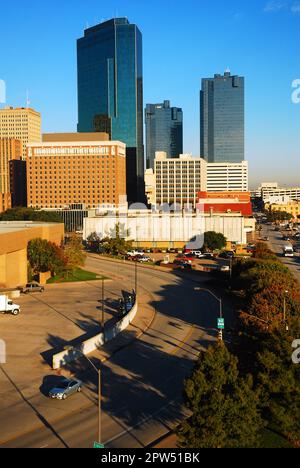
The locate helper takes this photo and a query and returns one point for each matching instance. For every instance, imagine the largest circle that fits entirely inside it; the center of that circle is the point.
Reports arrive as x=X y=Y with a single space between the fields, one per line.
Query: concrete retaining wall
x=92 y=344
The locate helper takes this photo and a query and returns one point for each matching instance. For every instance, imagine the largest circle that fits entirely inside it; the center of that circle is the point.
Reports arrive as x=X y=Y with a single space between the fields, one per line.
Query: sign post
x=221 y=324
x=221 y=327
x=98 y=446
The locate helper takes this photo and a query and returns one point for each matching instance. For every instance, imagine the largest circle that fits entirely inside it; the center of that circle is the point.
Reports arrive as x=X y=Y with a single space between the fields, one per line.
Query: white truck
x=8 y=307
x=288 y=251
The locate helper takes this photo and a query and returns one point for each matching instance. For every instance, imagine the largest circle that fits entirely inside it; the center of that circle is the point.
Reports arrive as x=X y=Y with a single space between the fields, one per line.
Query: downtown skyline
x=272 y=120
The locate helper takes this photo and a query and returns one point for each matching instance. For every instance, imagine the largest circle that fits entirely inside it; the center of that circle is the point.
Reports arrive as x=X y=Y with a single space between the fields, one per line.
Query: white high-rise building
x=227 y=177
x=177 y=181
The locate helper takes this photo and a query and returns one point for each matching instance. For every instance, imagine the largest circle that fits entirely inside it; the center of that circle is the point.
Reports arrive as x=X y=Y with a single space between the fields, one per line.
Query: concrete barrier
x=92 y=344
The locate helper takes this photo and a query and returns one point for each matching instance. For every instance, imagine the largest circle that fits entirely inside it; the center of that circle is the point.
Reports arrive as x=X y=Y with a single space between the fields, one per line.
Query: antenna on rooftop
x=27 y=99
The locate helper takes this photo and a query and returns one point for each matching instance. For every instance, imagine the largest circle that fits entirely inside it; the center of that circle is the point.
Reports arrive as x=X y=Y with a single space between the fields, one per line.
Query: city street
x=277 y=243
x=142 y=384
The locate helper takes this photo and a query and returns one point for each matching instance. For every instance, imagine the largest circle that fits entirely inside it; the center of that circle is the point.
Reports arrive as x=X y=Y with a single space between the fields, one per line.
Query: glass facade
x=222 y=119
x=110 y=91
x=164 y=131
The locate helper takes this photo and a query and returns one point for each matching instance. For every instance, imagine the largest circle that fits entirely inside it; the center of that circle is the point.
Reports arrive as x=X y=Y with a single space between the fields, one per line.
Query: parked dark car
x=182 y=264
x=208 y=255
x=227 y=255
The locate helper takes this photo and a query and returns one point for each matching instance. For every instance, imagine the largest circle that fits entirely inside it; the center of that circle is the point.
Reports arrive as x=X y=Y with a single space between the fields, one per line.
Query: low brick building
x=14 y=238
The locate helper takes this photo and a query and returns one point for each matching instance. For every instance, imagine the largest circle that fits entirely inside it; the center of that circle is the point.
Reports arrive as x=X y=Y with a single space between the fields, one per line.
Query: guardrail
x=92 y=344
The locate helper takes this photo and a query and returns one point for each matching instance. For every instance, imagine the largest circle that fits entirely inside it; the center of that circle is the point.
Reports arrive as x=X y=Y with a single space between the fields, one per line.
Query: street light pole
x=99 y=407
x=136 y=278
x=102 y=319
x=98 y=371
x=284 y=311
x=221 y=316
x=221 y=307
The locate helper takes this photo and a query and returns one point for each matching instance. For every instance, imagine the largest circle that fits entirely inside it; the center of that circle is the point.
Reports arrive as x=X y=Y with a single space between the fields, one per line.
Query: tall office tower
x=163 y=131
x=222 y=119
x=24 y=124
x=10 y=149
x=110 y=92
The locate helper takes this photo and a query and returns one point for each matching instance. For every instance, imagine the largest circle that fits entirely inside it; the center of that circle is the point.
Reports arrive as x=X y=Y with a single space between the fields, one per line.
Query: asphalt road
x=142 y=384
x=277 y=243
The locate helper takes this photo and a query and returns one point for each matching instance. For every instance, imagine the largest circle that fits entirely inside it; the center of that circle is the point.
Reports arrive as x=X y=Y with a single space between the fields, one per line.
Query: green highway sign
x=97 y=445
x=221 y=324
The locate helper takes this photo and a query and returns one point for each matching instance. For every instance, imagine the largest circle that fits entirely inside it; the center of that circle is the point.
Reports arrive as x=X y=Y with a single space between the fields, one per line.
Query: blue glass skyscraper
x=222 y=119
x=110 y=91
x=163 y=131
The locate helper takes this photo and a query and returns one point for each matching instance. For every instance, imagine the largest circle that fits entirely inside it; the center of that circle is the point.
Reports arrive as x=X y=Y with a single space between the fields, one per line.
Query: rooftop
x=55 y=137
x=7 y=227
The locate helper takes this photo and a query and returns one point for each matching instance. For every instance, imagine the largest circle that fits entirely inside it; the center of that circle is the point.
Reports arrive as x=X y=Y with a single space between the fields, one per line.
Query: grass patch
x=77 y=276
x=271 y=439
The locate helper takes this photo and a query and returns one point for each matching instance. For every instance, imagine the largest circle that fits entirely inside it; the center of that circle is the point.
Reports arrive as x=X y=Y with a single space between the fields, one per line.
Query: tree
x=94 y=241
x=263 y=252
x=278 y=381
x=224 y=406
x=115 y=243
x=74 y=255
x=269 y=285
x=45 y=256
x=277 y=216
x=214 y=241
x=29 y=214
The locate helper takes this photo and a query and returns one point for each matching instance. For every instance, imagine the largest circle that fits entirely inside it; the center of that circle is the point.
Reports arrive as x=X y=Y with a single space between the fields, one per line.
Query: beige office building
x=63 y=173
x=290 y=207
x=177 y=180
x=23 y=124
x=10 y=149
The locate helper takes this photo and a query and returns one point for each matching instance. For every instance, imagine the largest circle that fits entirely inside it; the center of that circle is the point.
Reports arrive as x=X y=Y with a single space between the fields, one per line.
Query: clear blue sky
x=183 y=42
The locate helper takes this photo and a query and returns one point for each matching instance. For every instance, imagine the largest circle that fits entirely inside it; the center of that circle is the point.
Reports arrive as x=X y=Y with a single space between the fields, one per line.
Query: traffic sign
x=221 y=324
x=97 y=445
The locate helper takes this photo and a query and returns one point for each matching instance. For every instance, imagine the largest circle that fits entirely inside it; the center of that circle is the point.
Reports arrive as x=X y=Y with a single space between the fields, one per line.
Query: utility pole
x=136 y=278
x=99 y=407
x=221 y=324
x=102 y=319
x=284 y=311
x=221 y=316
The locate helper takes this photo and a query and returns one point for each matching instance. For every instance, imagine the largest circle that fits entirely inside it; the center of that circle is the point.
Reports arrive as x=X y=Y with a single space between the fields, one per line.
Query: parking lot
x=48 y=320
x=199 y=264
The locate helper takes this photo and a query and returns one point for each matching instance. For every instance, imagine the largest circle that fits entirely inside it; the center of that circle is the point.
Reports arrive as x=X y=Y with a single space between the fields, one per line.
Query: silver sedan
x=65 y=388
